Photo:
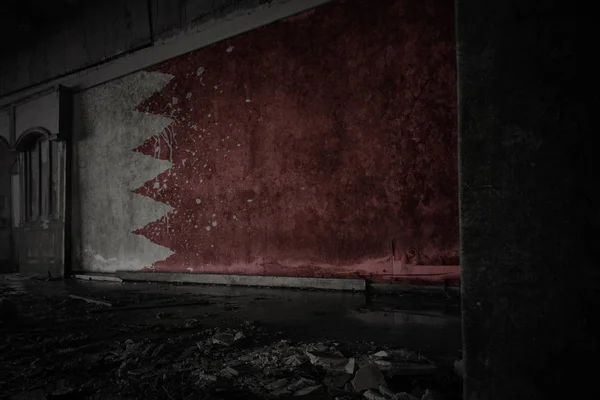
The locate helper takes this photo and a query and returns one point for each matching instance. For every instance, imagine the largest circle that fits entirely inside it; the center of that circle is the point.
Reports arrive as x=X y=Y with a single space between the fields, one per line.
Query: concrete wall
x=322 y=145
x=85 y=35
x=106 y=128
x=40 y=112
x=529 y=200
x=91 y=33
x=5 y=129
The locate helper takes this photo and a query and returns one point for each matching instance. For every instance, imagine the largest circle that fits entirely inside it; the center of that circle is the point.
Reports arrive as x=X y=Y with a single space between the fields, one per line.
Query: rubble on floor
x=101 y=359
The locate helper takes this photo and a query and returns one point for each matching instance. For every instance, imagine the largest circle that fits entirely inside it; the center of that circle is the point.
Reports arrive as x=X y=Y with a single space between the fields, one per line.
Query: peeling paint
x=109 y=172
x=340 y=158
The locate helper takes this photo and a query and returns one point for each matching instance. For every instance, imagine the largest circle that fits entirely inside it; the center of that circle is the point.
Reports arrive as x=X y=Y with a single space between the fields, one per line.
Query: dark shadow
x=7 y=239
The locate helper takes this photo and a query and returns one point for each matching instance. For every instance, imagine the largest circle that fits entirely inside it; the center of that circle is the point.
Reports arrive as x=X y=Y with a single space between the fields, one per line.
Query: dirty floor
x=104 y=340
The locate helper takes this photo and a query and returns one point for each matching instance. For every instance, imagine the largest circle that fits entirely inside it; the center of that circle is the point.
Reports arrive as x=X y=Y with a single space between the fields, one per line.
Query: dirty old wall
x=321 y=145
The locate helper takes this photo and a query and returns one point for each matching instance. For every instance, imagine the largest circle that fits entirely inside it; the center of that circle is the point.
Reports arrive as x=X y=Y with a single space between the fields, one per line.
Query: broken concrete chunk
x=381 y=354
x=123 y=368
x=405 y=396
x=191 y=323
x=158 y=350
x=368 y=377
x=140 y=371
x=350 y=366
x=148 y=350
x=299 y=384
x=327 y=360
x=277 y=384
x=307 y=390
x=229 y=371
x=227 y=338
x=373 y=395
x=384 y=365
x=181 y=366
x=223 y=339
x=295 y=360
x=317 y=347
x=204 y=377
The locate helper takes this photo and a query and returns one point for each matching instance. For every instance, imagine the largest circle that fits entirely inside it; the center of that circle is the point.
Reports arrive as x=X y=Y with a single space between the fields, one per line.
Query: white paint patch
x=198 y=201
x=200 y=71
x=109 y=172
x=248 y=100
x=190 y=269
x=188 y=96
x=229 y=49
x=207 y=228
x=214 y=223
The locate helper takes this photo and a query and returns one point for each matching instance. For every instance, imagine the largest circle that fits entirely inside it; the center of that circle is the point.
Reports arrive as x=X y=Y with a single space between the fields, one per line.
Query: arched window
x=38 y=158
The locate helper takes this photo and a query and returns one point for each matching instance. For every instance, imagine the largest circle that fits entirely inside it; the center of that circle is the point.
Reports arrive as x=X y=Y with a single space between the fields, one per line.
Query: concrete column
x=529 y=221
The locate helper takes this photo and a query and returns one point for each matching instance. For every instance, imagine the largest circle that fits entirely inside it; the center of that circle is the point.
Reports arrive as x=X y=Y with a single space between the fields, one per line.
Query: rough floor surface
x=65 y=340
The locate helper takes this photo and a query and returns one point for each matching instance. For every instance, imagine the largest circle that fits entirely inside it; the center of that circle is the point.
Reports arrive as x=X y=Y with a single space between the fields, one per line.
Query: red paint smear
x=329 y=139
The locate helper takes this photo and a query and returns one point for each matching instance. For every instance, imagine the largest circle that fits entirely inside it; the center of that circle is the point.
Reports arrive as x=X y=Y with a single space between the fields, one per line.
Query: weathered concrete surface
x=106 y=209
x=79 y=36
x=175 y=42
x=529 y=212
x=329 y=154
x=358 y=285
x=98 y=277
x=41 y=112
x=5 y=126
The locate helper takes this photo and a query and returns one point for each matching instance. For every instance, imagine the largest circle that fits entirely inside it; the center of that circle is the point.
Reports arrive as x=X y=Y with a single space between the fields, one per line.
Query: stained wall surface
x=321 y=145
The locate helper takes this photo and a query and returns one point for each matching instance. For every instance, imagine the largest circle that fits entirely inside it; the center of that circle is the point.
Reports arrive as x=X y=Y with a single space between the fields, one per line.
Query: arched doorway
x=41 y=232
x=7 y=162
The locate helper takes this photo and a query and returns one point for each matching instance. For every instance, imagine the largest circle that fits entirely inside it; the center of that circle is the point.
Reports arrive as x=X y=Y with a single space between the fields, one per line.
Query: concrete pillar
x=529 y=221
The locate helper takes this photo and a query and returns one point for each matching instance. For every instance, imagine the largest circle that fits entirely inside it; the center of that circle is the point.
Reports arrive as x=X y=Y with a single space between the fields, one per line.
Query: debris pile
x=233 y=358
x=82 y=350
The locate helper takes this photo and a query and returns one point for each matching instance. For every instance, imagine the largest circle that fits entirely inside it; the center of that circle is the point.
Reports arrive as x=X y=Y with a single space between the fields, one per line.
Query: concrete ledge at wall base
x=398 y=288
x=97 y=277
x=358 y=285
